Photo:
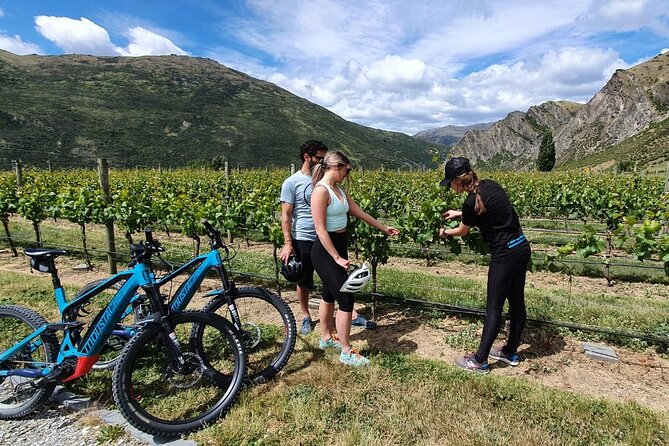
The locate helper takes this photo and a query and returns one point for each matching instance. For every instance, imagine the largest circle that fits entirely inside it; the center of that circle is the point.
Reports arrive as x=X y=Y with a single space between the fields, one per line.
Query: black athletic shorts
x=302 y=250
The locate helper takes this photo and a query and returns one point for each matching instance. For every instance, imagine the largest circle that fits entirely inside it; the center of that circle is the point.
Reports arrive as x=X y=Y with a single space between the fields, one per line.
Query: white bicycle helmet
x=357 y=280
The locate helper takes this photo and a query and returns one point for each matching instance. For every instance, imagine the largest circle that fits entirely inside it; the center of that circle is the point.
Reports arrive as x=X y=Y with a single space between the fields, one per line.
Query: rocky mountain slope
x=450 y=134
x=631 y=102
x=513 y=142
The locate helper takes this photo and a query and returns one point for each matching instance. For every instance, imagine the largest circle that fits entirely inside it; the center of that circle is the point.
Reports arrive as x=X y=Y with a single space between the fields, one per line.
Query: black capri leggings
x=506 y=281
x=331 y=274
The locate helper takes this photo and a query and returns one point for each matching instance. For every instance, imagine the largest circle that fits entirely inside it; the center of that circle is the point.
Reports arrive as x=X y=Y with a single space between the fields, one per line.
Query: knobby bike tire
x=268 y=329
x=18 y=397
x=157 y=399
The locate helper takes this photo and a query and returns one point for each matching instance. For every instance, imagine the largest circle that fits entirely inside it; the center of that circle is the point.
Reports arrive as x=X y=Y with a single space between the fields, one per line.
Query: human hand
x=286 y=252
x=391 y=231
x=451 y=214
x=342 y=262
x=442 y=233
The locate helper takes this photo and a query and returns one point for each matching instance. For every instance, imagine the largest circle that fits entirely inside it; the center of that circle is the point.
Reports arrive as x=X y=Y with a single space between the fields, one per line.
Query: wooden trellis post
x=103 y=171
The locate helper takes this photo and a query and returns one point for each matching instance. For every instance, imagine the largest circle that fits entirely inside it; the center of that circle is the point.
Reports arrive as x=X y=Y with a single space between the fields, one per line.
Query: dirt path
x=549 y=358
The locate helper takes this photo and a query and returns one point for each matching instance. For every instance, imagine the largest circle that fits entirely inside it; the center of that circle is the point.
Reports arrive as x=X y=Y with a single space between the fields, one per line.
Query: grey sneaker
x=498 y=354
x=333 y=342
x=307 y=324
x=469 y=363
x=353 y=358
x=361 y=321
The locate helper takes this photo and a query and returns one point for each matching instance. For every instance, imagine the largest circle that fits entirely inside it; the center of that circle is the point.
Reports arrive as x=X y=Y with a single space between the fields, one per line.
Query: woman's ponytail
x=471 y=183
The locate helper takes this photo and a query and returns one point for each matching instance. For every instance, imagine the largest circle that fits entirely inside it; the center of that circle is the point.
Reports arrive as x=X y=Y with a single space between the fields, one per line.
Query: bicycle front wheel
x=160 y=396
x=19 y=395
x=267 y=328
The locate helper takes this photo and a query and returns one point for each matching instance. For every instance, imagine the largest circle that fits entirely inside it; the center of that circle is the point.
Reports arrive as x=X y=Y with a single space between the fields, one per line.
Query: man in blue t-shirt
x=298 y=228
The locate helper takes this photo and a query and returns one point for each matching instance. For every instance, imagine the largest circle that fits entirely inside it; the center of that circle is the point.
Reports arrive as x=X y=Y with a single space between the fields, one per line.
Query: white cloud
x=580 y=66
x=76 y=36
x=406 y=67
x=629 y=15
x=85 y=37
x=144 y=43
x=396 y=71
x=16 y=45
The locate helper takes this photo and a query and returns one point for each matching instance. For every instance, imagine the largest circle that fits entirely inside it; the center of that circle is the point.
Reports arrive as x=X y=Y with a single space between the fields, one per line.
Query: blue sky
x=395 y=65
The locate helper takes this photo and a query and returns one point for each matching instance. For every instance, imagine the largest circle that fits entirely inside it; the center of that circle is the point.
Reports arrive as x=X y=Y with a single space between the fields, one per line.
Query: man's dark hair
x=311 y=147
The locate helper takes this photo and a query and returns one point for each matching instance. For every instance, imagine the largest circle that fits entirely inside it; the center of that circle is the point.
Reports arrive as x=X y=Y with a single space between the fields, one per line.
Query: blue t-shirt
x=296 y=190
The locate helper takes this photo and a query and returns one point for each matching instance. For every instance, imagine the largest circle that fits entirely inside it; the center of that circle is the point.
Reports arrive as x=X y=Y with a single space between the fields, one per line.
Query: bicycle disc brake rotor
x=251 y=334
x=190 y=374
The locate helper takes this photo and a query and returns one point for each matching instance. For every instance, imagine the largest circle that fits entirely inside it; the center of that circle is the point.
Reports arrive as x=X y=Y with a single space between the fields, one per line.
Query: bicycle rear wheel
x=160 y=398
x=268 y=329
x=18 y=395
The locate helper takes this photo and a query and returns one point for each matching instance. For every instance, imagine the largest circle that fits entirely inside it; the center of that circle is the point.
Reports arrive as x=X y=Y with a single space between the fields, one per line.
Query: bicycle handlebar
x=214 y=235
x=142 y=252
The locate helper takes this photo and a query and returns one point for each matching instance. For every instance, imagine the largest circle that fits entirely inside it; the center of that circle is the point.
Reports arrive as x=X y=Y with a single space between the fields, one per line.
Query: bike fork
x=173 y=346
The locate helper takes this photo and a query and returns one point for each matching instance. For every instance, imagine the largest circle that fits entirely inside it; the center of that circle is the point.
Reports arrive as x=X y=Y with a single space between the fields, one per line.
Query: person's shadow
x=386 y=337
x=538 y=340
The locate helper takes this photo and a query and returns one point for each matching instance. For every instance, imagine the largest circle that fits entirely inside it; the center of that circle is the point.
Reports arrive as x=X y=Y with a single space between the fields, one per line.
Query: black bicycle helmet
x=293 y=271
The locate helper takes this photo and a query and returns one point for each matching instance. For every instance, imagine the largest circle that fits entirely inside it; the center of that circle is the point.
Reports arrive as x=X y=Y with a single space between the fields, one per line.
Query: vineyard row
x=633 y=208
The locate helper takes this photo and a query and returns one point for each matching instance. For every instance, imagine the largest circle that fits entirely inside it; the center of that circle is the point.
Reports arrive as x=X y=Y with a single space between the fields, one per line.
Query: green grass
x=401 y=400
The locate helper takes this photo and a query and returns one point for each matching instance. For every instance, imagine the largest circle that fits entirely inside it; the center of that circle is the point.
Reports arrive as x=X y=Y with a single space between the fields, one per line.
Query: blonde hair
x=332 y=159
x=470 y=183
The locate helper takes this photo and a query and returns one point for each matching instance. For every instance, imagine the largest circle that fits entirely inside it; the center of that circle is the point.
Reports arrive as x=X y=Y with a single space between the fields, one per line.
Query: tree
x=546 y=159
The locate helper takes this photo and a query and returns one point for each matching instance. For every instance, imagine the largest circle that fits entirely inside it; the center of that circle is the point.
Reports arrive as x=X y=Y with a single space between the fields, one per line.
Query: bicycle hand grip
x=148 y=233
x=207 y=226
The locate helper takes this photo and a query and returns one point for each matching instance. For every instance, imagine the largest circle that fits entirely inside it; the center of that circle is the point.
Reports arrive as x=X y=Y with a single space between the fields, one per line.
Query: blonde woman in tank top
x=330 y=207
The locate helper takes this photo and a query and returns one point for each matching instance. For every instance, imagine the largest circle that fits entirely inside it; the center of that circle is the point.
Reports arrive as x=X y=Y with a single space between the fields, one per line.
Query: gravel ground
x=53 y=425
x=68 y=419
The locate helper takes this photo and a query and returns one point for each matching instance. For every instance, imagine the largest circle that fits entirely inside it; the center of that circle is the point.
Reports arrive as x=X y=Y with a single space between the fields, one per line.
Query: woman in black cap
x=488 y=208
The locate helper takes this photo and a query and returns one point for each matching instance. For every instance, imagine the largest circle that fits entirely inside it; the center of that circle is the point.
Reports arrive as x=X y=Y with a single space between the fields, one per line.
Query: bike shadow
x=305 y=353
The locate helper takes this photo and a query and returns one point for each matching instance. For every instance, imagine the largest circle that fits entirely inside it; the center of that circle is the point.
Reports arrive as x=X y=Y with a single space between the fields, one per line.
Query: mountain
x=449 y=134
x=170 y=111
x=633 y=106
x=513 y=142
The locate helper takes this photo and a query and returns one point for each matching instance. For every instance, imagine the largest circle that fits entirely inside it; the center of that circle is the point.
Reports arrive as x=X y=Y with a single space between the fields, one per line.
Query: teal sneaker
x=333 y=342
x=353 y=358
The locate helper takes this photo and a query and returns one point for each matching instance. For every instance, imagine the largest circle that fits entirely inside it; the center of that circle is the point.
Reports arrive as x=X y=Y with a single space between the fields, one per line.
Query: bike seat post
x=55 y=280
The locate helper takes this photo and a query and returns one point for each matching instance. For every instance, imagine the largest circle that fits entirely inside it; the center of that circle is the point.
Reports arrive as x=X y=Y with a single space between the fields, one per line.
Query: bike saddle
x=42 y=252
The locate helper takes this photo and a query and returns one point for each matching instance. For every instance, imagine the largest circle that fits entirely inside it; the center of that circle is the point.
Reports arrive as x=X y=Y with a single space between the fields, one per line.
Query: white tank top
x=337 y=211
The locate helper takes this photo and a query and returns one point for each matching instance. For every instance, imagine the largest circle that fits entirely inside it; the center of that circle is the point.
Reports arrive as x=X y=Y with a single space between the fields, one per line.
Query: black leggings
x=331 y=274
x=505 y=281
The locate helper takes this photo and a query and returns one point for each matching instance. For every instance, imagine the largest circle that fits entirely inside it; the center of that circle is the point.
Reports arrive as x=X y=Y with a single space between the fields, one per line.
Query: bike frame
x=86 y=350
x=186 y=291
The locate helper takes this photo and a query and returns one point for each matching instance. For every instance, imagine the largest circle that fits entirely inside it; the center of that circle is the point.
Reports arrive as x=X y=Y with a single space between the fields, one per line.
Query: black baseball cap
x=453 y=169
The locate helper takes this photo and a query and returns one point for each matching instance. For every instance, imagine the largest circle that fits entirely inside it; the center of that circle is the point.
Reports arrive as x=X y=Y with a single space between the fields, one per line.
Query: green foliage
x=546 y=159
x=246 y=203
x=625 y=166
x=110 y=434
